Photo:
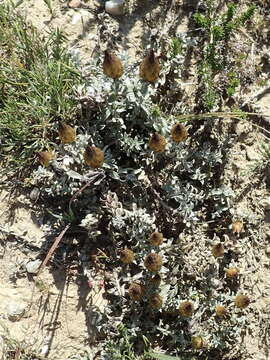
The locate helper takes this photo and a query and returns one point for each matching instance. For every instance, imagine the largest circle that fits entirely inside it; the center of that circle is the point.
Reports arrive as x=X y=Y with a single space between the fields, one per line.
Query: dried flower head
x=112 y=65
x=241 y=301
x=136 y=291
x=186 y=308
x=149 y=67
x=153 y=262
x=231 y=273
x=197 y=342
x=67 y=134
x=157 y=142
x=126 y=256
x=218 y=250
x=45 y=157
x=156 y=280
x=237 y=227
x=156 y=301
x=221 y=311
x=179 y=132
x=93 y=156
x=156 y=238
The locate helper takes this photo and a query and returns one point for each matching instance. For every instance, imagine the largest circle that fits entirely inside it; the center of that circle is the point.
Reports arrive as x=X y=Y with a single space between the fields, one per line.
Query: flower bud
x=93 y=156
x=157 y=143
x=153 y=262
x=179 y=132
x=156 y=238
x=186 y=308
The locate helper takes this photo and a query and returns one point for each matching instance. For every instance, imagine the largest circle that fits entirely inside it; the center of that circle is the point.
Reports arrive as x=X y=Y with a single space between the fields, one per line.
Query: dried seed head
x=126 y=256
x=197 y=342
x=156 y=280
x=156 y=301
x=149 y=67
x=112 y=65
x=67 y=134
x=157 y=142
x=221 y=311
x=186 y=308
x=241 y=301
x=218 y=250
x=136 y=291
x=179 y=132
x=237 y=227
x=45 y=157
x=231 y=273
x=93 y=156
x=156 y=238
x=153 y=262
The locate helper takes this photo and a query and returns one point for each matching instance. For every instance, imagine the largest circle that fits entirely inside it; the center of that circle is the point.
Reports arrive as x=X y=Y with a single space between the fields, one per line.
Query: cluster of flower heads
x=93 y=156
x=157 y=142
x=150 y=292
x=112 y=67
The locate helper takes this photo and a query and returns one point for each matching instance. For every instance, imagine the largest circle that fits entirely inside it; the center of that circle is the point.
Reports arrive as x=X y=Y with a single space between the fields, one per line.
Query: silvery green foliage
x=135 y=223
x=123 y=103
x=138 y=192
x=67 y=171
x=223 y=199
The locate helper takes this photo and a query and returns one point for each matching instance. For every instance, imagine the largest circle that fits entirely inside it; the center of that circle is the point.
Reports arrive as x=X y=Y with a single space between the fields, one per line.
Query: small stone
x=33 y=266
x=34 y=194
x=74 y=4
x=114 y=7
x=15 y=310
x=267 y=251
x=76 y=19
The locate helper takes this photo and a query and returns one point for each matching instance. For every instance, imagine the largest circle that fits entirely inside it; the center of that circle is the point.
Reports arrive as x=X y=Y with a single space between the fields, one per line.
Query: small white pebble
x=15 y=310
x=114 y=7
x=33 y=266
x=74 y=4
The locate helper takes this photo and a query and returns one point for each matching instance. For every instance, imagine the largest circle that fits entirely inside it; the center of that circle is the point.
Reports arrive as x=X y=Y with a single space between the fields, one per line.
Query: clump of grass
x=37 y=81
x=217 y=32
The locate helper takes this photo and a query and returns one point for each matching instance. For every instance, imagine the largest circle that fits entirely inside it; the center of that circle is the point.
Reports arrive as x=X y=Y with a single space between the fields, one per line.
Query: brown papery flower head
x=149 y=67
x=241 y=301
x=218 y=250
x=197 y=342
x=157 y=143
x=126 y=256
x=136 y=291
x=156 y=238
x=186 y=308
x=153 y=262
x=93 y=156
x=45 y=157
x=179 y=132
x=237 y=227
x=112 y=65
x=231 y=273
x=156 y=301
x=221 y=311
x=67 y=134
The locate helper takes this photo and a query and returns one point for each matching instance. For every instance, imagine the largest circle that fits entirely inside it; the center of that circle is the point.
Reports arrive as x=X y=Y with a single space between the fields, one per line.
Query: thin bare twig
x=47 y=258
